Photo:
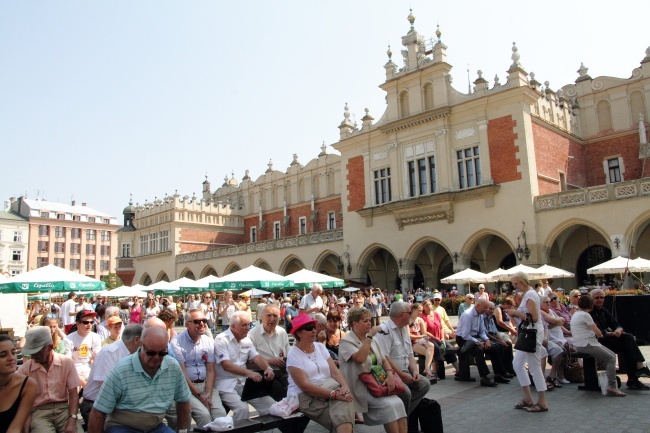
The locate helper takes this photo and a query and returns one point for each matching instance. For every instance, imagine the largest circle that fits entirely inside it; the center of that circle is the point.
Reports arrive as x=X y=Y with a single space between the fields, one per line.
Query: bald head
x=154 y=322
x=482 y=305
x=154 y=336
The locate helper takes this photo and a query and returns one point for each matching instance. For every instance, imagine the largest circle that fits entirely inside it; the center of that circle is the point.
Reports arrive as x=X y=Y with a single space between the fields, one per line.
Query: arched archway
x=208 y=270
x=327 y=263
x=145 y=280
x=427 y=258
x=162 y=276
x=487 y=250
x=290 y=265
x=380 y=268
x=232 y=267
x=187 y=273
x=639 y=237
x=263 y=264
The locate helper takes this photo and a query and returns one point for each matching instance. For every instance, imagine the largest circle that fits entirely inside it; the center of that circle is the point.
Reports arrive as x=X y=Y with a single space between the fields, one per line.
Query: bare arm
x=260 y=361
x=25 y=407
x=300 y=378
x=73 y=402
x=597 y=331
x=96 y=421
x=183 y=412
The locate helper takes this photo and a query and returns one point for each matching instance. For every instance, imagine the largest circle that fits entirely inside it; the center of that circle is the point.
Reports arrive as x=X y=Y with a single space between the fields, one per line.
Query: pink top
x=135 y=314
x=434 y=324
x=53 y=385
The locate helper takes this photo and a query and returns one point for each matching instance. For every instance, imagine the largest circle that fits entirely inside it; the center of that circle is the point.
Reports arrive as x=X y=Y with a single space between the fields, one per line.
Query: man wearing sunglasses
x=140 y=389
x=194 y=351
x=83 y=344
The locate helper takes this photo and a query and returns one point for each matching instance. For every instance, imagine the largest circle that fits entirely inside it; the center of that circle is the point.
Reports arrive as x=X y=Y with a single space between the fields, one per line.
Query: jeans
x=162 y=428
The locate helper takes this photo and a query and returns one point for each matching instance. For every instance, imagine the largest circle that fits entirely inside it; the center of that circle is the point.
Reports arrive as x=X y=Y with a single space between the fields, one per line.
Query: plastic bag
x=285 y=407
x=223 y=423
x=603 y=381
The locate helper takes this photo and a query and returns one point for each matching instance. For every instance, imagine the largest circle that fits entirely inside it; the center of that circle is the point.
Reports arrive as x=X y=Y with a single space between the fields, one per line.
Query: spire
x=582 y=73
x=411 y=19
x=323 y=150
x=515 y=58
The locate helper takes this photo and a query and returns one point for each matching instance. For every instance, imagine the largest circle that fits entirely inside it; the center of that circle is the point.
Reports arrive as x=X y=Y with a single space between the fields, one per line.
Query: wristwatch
x=74 y=416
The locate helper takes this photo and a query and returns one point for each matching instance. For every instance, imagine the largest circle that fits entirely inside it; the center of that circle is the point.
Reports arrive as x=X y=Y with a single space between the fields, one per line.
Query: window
x=59 y=232
x=105 y=235
x=16 y=255
x=107 y=221
x=91 y=219
x=59 y=247
x=60 y=216
x=75 y=248
x=90 y=265
x=614 y=170
x=144 y=245
x=90 y=250
x=153 y=243
x=331 y=220
x=469 y=167
x=382 y=186
x=91 y=235
x=18 y=236
x=164 y=240
x=126 y=250
x=42 y=246
x=422 y=176
x=103 y=265
x=276 y=230
x=75 y=233
x=15 y=272
x=45 y=214
x=302 y=225
x=59 y=262
x=253 y=234
x=105 y=250
x=432 y=174
x=41 y=261
x=74 y=264
x=76 y=217
x=43 y=230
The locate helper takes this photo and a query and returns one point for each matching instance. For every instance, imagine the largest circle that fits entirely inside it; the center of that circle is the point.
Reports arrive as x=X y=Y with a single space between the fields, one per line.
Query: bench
x=266 y=422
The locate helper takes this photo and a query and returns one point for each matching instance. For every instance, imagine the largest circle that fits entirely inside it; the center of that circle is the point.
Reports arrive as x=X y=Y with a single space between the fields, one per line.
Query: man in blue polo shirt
x=140 y=389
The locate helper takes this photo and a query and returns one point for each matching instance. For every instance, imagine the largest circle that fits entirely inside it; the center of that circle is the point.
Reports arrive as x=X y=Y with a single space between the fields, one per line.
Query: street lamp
x=525 y=251
x=340 y=265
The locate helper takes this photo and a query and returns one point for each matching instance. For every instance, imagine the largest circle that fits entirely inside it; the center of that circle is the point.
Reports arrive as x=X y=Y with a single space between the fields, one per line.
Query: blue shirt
x=193 y=355
x=471 y=325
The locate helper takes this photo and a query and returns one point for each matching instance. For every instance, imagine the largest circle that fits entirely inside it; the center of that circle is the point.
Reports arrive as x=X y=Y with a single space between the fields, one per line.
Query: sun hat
x=84 y=313
x=300 y=321
x=35 y=339
x=342 y=301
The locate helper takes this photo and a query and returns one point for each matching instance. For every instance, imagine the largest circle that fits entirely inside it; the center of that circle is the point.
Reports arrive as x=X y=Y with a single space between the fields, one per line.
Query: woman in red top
x=436 y=334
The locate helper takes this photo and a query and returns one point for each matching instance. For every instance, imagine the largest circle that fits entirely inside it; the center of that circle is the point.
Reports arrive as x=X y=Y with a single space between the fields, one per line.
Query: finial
x=232 y=173
x=270 y=164
x=515 y=56
x=295 y=159
x=225 y=180
x=246 y=175
x=496 y=81
x=367 y=111
x=480 y=74
x=438 y=32
x=389 y=53
x=131 y=199
x=582 y=71
x=323 y=147
x=411 y=18
x=346 y=112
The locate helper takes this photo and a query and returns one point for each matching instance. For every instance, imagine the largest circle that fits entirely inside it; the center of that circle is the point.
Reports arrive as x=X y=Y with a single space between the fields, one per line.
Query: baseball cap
x=113 y=320
x=84 y=313
x=437 y=296
x=35 y=339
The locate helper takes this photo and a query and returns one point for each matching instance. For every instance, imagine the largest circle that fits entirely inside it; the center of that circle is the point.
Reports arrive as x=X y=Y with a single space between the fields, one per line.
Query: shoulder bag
x=526 y=335
x=376 y=382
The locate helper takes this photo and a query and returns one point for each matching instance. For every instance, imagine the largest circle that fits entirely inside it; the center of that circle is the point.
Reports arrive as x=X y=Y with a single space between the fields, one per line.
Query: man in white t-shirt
x=83 y=345
x=68 y=311
x=312 y=302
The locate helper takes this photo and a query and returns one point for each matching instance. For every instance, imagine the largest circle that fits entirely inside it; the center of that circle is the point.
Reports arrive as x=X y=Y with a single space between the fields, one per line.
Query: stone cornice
x=416 y=120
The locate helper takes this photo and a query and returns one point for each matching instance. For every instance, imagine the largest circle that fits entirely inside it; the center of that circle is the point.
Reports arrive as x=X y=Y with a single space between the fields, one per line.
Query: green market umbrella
x=304 y=278
x=198 y=286
x=50 y=278
x=251 y=277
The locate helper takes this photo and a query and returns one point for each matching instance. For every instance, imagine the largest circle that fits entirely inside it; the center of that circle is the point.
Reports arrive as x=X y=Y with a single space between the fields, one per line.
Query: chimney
x=73 y=202
x=83 y=204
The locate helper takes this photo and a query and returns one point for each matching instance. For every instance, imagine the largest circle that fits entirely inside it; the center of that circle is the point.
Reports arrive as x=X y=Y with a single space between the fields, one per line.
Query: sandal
x=523 y=405
x=615 y=393
x=553 y=381
x=537 y=408
x=549 y=384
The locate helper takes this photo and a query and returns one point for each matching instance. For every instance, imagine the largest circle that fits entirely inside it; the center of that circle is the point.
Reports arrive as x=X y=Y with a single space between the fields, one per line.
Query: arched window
x=637 y=106
x=604 y=116
x=404 y=104
x=427 y=96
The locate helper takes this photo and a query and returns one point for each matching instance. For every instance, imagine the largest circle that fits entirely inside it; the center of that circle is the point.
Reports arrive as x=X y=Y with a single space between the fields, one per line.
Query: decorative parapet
x=262 y=246
x=596 y=194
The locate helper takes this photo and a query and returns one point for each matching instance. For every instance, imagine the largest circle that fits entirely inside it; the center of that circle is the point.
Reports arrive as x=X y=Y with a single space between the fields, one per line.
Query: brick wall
x=126 y=277
x=627 y=147
x=356 y=184
x=501 y=142
x=552 y=152
x=188 y=237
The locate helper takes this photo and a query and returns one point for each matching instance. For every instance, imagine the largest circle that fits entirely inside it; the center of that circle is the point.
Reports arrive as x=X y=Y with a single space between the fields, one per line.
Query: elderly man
x=233 y=349
x=473 y=340
x=619 y=342
x=342 y=308
x=312 y=303
x=57 y=402
x=104 y=363
x=139 y=390
x=469 y=299
x=83 y=345
x=501 y=344
x=395 y=344
x=194 y=351
x=272 y=342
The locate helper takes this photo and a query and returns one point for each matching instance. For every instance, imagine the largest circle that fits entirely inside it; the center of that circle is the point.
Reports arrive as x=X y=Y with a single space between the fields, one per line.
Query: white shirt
x=226 y=347
x=582 y=334
x=81 y=350
x=68 y=307
x=315 y=365
x=396 y=344
x=270 y=345
x=193 y=355
x=104 y=363
x=309 y=302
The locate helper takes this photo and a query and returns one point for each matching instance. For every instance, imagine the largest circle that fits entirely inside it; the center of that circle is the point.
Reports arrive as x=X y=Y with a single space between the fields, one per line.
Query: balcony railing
x=594 y=194
x=262 y=246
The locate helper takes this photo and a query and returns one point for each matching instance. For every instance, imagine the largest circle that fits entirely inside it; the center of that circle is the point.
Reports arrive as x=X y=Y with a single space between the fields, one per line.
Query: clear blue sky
x=100 y=99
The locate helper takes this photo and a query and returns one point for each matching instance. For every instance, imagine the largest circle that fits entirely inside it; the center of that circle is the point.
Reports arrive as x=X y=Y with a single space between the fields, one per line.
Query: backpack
x=429 y=416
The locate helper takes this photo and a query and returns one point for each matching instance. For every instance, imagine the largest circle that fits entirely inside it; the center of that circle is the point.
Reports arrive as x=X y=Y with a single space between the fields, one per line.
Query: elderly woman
x=554 y=325
x=169 y=317
x=333 y=333
x=574 y=296
x=357 y=353
x=529 y=305
x=585 y=334
x=562 y=311
x=18 y=391
x=323 y=392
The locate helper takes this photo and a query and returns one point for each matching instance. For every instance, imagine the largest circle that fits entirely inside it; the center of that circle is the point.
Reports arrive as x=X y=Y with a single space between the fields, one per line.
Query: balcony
x=594 y=194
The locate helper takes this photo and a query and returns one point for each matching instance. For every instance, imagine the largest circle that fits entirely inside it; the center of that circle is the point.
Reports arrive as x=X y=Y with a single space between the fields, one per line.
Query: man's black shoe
x=509 y=375
x=638 y=386
x=643 y=372
x=485 y=381
x=501 y=379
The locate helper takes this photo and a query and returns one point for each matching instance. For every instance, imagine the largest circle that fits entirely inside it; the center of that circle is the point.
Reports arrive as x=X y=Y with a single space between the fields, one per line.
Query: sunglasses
x=553 y=299
x=197 y=322
x=309 y=327
x=153 y=353
x=51 y=316
x=86 y=322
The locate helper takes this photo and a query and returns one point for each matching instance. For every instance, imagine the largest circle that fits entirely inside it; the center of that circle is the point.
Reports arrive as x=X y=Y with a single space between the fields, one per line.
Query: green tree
x=112 y=281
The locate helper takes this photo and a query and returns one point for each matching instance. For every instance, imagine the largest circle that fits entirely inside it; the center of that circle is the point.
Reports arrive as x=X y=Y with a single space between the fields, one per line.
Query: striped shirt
x=129 y=387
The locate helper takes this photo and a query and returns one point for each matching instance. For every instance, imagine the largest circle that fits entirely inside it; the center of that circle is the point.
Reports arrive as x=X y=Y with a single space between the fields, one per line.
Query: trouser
x=51 y=418
x=601 y=353
x=469 y=348
x=201 y=414
x=449 y=357
x=534 y=364
x=85 y=407
x=626 y=346
x=414 y=393
x=240 y=408
x=280 y=384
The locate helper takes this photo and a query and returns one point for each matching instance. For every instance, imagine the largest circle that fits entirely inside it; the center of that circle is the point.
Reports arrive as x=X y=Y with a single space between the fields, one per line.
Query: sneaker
x=563 y=381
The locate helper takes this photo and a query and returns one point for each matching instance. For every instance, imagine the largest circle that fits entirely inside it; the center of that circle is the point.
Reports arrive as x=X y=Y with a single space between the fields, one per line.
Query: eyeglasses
x=576 y=296
x=309 y=327
x=153 y=353
x=198 y=322
x=86 y=322
x=207 y=297
x=437 y=300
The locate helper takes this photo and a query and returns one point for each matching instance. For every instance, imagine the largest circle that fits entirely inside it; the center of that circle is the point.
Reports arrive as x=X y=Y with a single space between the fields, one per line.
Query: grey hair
x=397 y=308
x=131 y=331
x=112 y=311
x=317 y=286
x=236 y=317
x=544 y=298
x=320 y=317
x=593 y=292
x=574 y=292
x=356 y=314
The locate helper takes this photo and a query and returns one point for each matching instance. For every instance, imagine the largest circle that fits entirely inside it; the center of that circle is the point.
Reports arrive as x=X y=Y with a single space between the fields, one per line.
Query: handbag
x=526 y=335
x=375 y=381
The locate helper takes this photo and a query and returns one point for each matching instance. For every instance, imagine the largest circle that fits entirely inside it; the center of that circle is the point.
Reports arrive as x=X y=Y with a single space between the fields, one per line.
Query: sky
x=100 y=100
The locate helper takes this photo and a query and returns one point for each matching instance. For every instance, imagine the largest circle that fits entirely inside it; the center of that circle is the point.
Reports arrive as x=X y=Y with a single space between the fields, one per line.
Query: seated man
x=619 y=342
x=473 y=340
x=104 y=363
x=501 y=351
x=194 y=351
x=83 y=345
x=57 y=400
x=233 y=349
x=139 y=390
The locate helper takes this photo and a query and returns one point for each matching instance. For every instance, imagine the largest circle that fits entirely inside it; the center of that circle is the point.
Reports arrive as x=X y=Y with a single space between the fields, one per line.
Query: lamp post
x=525 y=251
x=340 y=266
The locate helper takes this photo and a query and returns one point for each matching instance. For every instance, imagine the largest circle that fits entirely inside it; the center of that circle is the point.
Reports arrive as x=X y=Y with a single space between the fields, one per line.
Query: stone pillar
x=407 y=280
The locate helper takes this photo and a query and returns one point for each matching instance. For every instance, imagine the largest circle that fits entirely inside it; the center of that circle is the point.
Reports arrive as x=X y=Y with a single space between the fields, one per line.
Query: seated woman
x=18 y=391
x=585 y=334
x=358 y=352
x=332 y=333
x=420 y=342
x=323 y=393
x=562 y=311
x=436 y=336
x=555 y=343
x=169 y=317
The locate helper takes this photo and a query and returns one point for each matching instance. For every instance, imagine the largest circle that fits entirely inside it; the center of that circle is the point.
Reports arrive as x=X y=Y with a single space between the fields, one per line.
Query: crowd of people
x=125 y=368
